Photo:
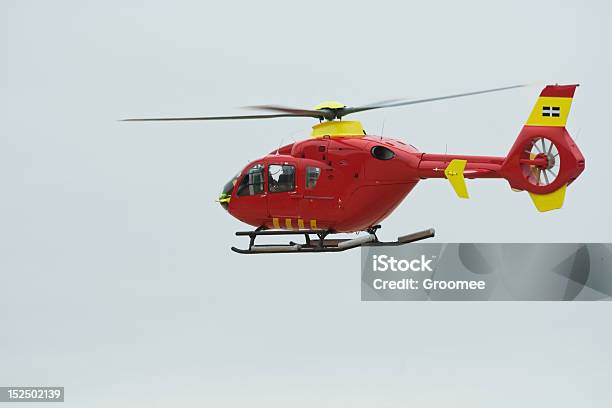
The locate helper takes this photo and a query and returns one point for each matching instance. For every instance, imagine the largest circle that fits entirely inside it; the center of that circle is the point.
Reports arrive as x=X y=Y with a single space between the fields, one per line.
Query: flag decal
x=551 y=111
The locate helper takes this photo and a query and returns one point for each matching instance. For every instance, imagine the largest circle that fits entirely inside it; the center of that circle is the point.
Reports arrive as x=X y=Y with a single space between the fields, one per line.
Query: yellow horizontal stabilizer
x=550 y=201
x=454 y=174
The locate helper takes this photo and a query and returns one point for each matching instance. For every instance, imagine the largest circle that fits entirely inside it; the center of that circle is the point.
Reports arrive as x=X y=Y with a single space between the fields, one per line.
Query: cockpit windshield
x=229 y=186
x=226 y=192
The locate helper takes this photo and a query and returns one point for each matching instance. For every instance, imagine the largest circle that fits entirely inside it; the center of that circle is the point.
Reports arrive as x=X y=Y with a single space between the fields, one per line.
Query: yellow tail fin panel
x=550 y=111
x=454 y=174
x=550 y=201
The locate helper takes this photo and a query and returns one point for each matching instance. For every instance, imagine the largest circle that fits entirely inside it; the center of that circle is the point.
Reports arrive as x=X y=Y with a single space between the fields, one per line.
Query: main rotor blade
x=280 y=115
x=392 y=104
x=329 y=114
x=295 y=111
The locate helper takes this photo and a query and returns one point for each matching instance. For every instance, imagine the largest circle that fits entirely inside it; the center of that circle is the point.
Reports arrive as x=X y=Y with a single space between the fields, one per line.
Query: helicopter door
x=283 y=194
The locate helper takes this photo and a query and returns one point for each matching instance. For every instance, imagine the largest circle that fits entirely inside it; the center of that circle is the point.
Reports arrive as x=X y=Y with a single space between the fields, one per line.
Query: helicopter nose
x=224 y=200
x=226 y=193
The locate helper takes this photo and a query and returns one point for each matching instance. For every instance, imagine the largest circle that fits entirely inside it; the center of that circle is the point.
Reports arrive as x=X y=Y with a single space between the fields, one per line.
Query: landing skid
x=322 y=243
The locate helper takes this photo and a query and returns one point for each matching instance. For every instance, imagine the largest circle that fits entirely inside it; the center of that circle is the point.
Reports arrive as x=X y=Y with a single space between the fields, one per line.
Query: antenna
x=291 y=136
x=445 y=152
x=578 y=133
x=279 y=145
x=382 y=129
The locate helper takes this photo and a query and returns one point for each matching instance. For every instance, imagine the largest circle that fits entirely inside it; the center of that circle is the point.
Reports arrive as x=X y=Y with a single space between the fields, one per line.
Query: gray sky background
x=116 y=278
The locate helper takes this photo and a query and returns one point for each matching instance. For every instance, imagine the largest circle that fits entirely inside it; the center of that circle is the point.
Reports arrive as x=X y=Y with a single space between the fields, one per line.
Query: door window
x=281 y=178
x=312 y=175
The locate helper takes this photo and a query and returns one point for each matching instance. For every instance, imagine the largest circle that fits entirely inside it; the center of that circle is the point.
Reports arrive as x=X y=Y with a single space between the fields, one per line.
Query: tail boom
x=434 y=165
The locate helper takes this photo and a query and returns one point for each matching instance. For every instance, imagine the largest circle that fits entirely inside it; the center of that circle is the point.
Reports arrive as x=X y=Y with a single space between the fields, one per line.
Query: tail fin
x=454 y=173
x=544 y=160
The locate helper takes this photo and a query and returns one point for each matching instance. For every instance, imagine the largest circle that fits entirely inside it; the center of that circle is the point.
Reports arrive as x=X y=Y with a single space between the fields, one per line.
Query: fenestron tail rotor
x=325 y=111
x=541 y=175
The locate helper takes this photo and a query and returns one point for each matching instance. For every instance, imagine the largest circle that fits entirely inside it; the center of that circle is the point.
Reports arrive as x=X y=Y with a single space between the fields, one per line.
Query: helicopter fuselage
x=342 y=184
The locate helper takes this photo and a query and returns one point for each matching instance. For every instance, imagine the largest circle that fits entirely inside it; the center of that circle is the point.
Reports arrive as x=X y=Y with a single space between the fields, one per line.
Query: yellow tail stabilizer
x=550 y=111
x=550 y=201
x=454 y=174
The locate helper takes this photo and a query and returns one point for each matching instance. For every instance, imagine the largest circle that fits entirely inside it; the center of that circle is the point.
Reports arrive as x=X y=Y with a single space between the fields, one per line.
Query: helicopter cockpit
x=281 y=178
x=252 y=183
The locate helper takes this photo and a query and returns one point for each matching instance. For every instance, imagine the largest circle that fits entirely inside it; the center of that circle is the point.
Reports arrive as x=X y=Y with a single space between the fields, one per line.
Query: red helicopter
x=344 y=180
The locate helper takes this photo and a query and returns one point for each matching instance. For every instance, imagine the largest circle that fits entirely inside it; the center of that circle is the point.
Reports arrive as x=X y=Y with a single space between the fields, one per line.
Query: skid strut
x=321 y=243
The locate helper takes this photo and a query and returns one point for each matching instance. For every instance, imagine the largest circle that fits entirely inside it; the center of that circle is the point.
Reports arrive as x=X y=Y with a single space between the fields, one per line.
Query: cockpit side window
x=252 y=182
x=312 y=175
x=281 y=178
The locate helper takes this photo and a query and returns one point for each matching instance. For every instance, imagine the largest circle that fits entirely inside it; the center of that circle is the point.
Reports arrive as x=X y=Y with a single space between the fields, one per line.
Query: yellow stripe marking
x=313 y=224
x=288 y=223
x=300 y=223
x=275 y=223
x=537 y=117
